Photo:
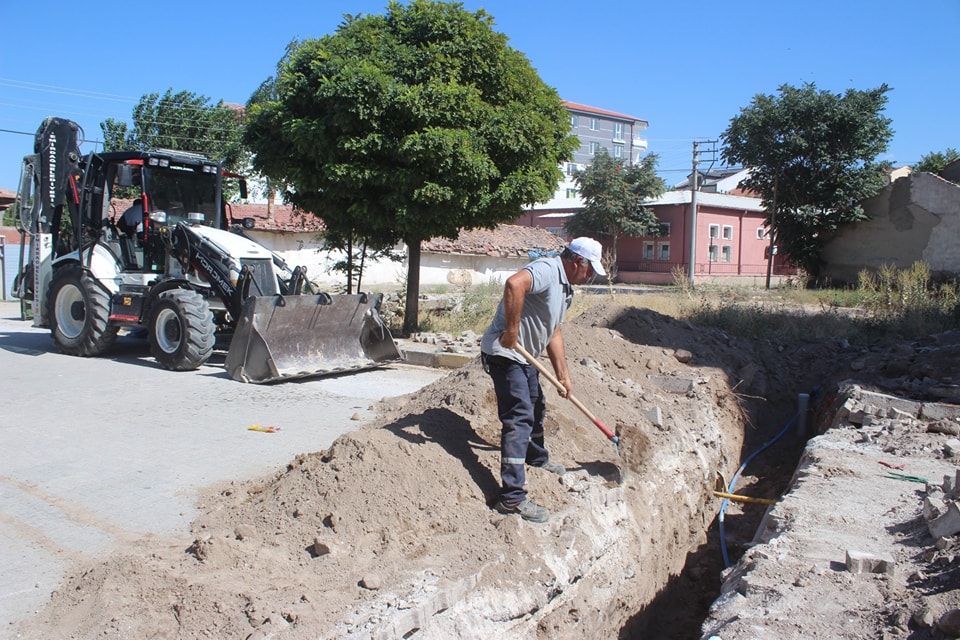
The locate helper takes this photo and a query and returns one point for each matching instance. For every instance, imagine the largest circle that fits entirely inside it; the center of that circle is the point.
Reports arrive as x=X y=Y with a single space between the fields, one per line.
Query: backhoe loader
x=182 y=271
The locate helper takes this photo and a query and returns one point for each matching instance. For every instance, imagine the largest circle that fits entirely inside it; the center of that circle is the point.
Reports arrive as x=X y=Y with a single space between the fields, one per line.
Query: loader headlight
x=159 y=217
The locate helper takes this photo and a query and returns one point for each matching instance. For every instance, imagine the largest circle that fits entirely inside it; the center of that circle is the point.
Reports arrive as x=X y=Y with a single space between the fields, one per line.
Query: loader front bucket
x=285 y=337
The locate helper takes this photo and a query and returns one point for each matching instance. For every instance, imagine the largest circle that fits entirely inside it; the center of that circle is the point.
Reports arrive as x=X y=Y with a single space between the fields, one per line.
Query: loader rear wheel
x=181 y=330
x=79 y=313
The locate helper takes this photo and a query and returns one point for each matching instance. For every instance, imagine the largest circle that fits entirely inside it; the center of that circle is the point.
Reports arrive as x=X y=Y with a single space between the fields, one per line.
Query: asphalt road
x=97 y=452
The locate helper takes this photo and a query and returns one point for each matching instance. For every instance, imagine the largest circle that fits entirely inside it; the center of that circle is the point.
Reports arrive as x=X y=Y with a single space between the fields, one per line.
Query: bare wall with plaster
x=914 y=218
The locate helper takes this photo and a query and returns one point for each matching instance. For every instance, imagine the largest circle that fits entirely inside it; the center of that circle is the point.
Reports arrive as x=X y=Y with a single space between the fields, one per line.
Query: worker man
x=535 y=301
x=132 y=219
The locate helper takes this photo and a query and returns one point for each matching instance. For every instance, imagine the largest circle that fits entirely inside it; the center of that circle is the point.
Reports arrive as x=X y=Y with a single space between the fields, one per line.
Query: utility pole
x=772 y=248
x=694 y=188
x=693 y=215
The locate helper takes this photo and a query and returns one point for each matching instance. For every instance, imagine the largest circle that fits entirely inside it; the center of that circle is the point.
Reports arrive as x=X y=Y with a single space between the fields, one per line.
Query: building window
x=574 y=121
x=618 y=131
x=714 y=231
x=664 y=229
x=726 y=253
x=594 y=147
x=713 y=253
x=762 y=233
x=571 y=169
x=594 y=124
x=727 y=232
x=571 y=193
x=618 y=151
x=664 y=250
x=648 y=251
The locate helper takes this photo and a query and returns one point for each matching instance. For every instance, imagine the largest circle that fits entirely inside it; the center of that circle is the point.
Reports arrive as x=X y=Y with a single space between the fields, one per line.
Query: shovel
x=549 y=376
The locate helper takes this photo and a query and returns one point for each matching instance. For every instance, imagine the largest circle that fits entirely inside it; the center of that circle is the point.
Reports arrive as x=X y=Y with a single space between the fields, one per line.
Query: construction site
x=841 y=461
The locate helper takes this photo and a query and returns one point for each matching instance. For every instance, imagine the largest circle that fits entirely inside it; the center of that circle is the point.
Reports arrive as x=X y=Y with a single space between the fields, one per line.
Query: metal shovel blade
x=286 y=337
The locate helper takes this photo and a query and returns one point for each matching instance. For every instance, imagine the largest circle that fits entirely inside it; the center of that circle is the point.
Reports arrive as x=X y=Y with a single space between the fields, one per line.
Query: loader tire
x=181 y=330
x=79 y=313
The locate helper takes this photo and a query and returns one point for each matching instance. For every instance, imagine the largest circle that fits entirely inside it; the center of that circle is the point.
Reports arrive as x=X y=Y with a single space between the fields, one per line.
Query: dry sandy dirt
x=389 y=533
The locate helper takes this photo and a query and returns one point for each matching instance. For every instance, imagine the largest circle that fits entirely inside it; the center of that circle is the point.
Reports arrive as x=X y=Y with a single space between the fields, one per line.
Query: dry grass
x=903 y=304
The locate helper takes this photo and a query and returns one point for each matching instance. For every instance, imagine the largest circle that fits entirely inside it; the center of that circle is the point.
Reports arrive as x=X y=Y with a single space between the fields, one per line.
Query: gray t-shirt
x=544 y=308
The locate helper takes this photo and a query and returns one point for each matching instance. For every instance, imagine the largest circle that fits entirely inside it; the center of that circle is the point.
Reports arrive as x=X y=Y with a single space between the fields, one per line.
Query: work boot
x=553 y=467
x=525 y=509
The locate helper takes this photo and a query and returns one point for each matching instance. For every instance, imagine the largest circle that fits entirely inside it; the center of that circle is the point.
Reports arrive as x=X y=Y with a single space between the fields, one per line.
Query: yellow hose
x=738 y=498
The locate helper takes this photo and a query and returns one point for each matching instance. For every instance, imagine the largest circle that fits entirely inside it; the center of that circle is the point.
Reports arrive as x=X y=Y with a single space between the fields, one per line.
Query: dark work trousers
x=521 y=407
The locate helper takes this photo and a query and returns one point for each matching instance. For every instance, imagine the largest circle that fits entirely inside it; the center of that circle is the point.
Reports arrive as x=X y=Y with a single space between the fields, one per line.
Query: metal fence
x=706 y=268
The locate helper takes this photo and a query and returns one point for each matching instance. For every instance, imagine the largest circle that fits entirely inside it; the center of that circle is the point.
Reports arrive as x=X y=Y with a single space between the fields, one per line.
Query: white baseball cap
x=591 y=250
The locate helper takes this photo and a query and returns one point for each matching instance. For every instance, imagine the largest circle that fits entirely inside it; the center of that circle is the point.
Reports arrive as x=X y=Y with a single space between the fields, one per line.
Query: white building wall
x=436 y=269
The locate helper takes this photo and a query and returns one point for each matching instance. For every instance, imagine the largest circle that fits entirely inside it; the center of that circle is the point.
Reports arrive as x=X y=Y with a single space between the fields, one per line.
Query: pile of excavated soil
x=389 y=533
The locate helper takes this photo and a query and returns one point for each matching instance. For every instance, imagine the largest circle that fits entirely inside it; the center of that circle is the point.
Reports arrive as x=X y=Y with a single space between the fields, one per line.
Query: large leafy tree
x=935 y=161
x=613 y=195
x=184 y=121
x=410 y=125
x=813 y=159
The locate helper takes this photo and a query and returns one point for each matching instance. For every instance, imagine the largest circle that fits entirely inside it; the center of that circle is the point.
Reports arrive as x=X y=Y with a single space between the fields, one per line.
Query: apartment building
x=621 y=135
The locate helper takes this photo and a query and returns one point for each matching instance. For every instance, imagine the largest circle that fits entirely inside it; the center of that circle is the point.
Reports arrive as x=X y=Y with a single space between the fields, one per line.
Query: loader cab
x=182 y=191
x=173 y=187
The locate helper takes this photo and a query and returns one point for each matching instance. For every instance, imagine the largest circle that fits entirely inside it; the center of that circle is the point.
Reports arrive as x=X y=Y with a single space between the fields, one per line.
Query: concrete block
x=418 y=358
x=672 y=384
x=947 y=524
x=863 y=562
x=933 y=508
x=452 y=360
x=656 y=416
x=939 y=411
x=883 y=403
x=952 y=448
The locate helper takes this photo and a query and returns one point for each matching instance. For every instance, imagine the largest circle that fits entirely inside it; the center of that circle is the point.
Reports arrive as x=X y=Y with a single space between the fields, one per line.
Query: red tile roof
x=284 y=217
x=507 y=240
x=7 y=197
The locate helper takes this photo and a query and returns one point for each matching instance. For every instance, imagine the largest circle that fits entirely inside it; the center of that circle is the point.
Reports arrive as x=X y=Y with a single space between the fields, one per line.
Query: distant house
x=731 y=240
x=914 y=218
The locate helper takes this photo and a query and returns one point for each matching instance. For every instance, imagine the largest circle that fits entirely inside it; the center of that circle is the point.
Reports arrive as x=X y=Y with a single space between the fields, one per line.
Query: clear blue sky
x=685 y=67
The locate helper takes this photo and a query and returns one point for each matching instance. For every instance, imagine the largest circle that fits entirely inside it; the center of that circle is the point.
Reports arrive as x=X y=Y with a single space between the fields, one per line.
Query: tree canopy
x=613 y=195
x=935 y=161
x=812 y=157
x=183 y=121
x=410 y=125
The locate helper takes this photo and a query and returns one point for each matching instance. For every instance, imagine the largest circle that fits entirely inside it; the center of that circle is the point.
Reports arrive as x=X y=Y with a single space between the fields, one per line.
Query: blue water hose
x=733 y=481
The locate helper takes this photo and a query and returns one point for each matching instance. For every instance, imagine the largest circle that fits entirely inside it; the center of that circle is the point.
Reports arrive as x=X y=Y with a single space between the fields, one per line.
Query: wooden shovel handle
x=549 y=376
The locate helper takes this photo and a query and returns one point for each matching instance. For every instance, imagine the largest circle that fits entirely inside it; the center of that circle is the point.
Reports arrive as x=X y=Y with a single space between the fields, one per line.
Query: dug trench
x=390 y=533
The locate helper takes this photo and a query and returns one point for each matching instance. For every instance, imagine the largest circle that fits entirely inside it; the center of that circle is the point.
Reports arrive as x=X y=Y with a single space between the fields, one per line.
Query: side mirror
x=243 y=188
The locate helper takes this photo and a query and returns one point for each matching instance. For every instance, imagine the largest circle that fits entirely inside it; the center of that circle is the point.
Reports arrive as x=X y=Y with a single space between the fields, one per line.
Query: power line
x=34 y=86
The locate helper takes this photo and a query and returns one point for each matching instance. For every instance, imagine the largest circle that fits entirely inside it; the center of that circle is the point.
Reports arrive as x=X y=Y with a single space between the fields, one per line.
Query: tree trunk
x=363 y=260
x=350 y=264
x=411 y=312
